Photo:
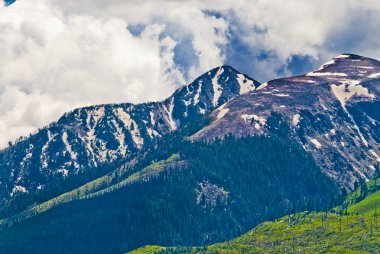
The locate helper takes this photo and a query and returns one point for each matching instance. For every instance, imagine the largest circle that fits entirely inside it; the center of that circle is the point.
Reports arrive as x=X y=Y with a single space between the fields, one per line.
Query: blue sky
x=57 y=55
x=9 y=2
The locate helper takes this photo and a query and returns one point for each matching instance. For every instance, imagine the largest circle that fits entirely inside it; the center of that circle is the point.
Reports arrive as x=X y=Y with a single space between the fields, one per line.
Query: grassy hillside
x=362 y=191
x=300 y=233
x=367 y=206
x=358 y=231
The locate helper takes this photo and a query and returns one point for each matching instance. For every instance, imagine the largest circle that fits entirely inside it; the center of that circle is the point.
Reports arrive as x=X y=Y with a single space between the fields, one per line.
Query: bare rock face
x=87 y=138
x=209 y=194
x=332 y=112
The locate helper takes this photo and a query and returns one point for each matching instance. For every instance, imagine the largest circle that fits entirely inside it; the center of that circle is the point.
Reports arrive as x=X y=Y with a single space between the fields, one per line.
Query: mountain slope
x=234 y=182
x=333 y=113
x=299 y=233
x=306 y=232
x=92 y=137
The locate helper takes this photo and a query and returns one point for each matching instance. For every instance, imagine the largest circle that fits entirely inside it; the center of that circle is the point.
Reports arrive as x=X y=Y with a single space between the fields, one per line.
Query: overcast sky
x=57 y=55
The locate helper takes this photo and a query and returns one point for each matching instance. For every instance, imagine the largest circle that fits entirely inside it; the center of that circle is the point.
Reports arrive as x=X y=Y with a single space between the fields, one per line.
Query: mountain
x=357 y=231
x=333 y=113
x=222 y=154
x=90 y=138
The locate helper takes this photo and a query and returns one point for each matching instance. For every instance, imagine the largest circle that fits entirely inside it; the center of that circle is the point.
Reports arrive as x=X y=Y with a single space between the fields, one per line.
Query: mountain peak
x=215 y=87
x=348 y=66
x=92 y=136
x=331 y=112
x=348 y=56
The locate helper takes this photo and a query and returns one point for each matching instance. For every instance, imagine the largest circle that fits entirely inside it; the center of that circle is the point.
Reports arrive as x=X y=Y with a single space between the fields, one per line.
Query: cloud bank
x=58 y=55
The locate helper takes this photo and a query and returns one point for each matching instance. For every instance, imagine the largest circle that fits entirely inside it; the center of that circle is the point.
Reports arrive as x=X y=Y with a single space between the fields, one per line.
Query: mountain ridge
x=333 y=106
x=226 y=151
x=92 y=136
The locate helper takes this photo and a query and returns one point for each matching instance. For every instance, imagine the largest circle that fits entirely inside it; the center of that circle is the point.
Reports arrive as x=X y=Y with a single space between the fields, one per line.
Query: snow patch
x=18 y=188
x=296 y=119
x=262 y=86
x=222 y=112
x=331 y=62
x=29 y=154
x=131 y=125
x=321 y=74
x=374 y=154
x=187 y=103
x=44 y=157
x=257 y=126
x=169 y=115
x=153 y=133
x=199 y=91
x=342 y=56
x=347 y=90
x=73 y=155
x=216 y=87
x=259 y=119
x=63 y=171
x=360 y=173
x=375 y=75
x=366 y=67
x=246 y=85
x=152 y=121
x=93 y=118
x=316 y=143
x=119 y=135
x=281 y=95
x=307 y=81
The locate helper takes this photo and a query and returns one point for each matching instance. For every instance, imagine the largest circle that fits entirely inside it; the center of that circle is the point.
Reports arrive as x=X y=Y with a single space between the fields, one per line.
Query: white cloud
x=318 y=29
x=56 y=55
x=51 y=62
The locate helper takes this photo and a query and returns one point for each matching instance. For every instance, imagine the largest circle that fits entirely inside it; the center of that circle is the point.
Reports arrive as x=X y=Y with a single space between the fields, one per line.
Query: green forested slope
x=356 y=231
x=224 y=189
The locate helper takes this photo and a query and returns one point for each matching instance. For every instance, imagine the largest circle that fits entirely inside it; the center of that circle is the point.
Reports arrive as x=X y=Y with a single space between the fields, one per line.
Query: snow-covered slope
x=90 y=137
x=332 y=112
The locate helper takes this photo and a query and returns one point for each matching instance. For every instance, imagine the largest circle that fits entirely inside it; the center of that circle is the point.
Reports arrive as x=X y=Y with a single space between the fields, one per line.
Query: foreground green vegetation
x=356 y=231
x=368 y=206
x=300 y=233
x=365 y=200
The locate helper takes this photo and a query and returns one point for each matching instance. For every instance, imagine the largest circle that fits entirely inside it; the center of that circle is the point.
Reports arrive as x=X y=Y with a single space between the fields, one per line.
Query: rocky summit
x=332 y=112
